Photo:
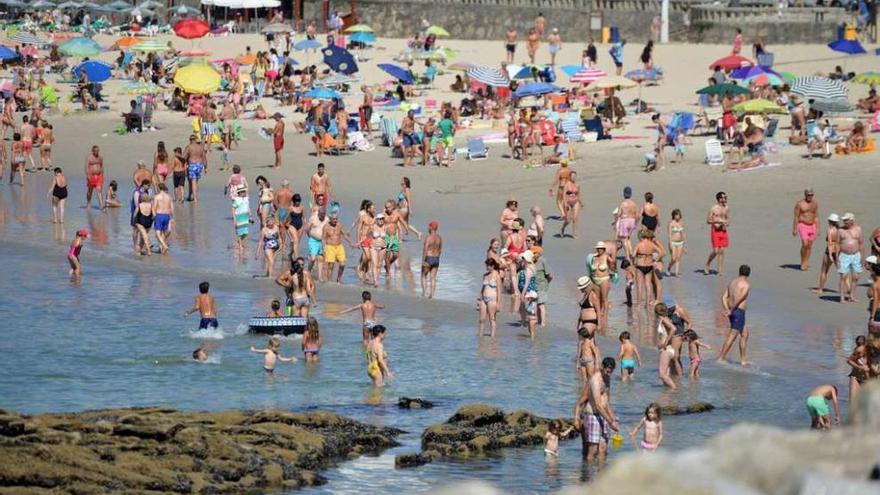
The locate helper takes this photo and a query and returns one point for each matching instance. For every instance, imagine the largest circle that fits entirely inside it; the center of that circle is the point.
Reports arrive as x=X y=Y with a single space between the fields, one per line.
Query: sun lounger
x=389 y=130
x=714 y=152
x=571 y=129
x=477 y=149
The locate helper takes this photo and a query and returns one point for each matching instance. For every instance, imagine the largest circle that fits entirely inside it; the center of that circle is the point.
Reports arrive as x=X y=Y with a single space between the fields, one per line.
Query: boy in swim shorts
x=817 y=407
x=206 y=306
x=628 y=356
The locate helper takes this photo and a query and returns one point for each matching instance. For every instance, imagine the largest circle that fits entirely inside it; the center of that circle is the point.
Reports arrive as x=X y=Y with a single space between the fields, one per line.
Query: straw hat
x=833 y=218
x=583 y=282
x=600 y=245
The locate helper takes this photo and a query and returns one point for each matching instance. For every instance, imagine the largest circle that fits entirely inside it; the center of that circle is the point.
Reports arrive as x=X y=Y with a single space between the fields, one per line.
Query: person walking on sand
x=850 y=257
x=560 y=179
x=319 y=185
x=94 y=169
x=532 y=42
x=554 y=44
x=832 y=250
x=510 y=43
x=718 y=220
x=334 y=251
x=163 y=208
x=593 y=414
x=540 y=24
x=206 y=306
x=432 y=246
x=616 y=53
x=625 y=221
x=806 y=225
x=197 y=165
x=735 y=301
x=278 y=138
x=738 y=42
x=817 y=406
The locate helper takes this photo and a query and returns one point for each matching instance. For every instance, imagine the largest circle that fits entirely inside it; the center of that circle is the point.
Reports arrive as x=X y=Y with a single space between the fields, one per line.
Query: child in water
x=275 y=311
x=551 y=438
x=112 y=196
x=629 y=357
x=653 y=425
x=368 y=314
x=377 y=358
x=629 y=273
x=73 y=252
x=311 y=342
x=271 y=355
x=694 y=345
x=200 y=354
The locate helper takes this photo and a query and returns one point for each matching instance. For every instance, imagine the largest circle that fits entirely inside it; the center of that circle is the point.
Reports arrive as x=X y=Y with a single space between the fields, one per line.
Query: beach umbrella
x=642 y=75
x=118 y=5
x=529 y=102
x=15 y=4
x=363 y=37
x=277 y=27
x=43 y=4
x=765 y=80
x=586 y=75
x=443 y=53
x=339 y=59
x=397 y=72
x=536 y=89
x=151 y=45
x=92 y=6
x=142 y=88
x=437 y=31
x=608 y=82
x=788 y=76
x=127 y=41
x=751 y=71
x=721 y=89
x=7 y=53
x=850 y=47
x=25 y=38
x=462 y=66
x=151 y=4
x=195 y=52
x=184 y=10
x=95 y=70
x=307 y=45
x=570 y=70
x=867 y=78
x=197 y=78
x=489 y=76
x=359 y=28
x=832 y=105
x=69 y=5
x=323 y=94
x=731 y=62
x=819 y=88
x=758 y=106
x=80 y=47
x=191 y=28
x=336 y=80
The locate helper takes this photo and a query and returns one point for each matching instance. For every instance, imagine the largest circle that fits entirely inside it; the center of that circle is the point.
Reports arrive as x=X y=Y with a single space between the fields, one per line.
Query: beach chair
x=766 y=59
x=714 y=152
x=571 y=129
x=477 y=149
x=595 y=125
x=389 y=130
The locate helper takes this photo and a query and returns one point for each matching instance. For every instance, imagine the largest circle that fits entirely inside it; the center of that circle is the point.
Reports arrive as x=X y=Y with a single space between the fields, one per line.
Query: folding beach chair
x=571 y=129
x=477 y=149
x=714 y=152
x=771 y=128
x=389 y=130
x=595 y=125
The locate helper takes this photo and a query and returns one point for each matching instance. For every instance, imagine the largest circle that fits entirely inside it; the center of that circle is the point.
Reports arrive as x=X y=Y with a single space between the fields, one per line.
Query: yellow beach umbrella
x=437 y=31
x=612 y=82
x=197 y=78
x=359 y=28
x=758 y=106
x=867 y=78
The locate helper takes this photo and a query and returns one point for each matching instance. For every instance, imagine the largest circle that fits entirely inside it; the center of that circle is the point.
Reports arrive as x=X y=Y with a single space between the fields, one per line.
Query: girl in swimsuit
x=267 y=195
x=404 y=207
x=294 y=223
x=75 y=249
x=599 y=265
x=270 y=243
x=677 y=242
x=47 y=138
x=650 y=212
x=161 y=165
x=298 y=300
x=647 y=252
x=572 y=204
x=487 y=302
x=58 y=194
x=143 y=222
x=17 y=158
x=377 y=358
x=311 y=342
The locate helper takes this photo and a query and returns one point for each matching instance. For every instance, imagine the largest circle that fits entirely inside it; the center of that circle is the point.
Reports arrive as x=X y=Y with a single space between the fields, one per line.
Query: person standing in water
x=625 y=221
x=806 y=225
x=377 y=358
x=735 y=302
x=163 y=208
x=719 y=220
x=832 y=250
x=431 y=249
x=368 y=314
x=817 y=406
x=271 y=352
x=94 y=169
x=58 y=194
x=197 y=165
x=206 y=306
x=593 y=414
x=73 y=252
x=850 y=257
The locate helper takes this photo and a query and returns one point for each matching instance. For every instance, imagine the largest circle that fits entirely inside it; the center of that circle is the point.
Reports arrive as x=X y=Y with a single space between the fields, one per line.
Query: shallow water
x=118 y=339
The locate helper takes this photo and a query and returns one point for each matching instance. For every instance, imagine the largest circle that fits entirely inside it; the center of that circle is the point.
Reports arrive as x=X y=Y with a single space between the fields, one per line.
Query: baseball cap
x=83 y=232
x=433 y=224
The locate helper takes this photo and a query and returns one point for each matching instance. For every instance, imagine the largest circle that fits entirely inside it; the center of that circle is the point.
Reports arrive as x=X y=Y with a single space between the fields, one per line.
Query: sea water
x=118 y=338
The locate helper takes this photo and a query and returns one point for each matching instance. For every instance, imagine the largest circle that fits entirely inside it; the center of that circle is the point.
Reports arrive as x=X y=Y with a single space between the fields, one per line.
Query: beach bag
x=357 y=141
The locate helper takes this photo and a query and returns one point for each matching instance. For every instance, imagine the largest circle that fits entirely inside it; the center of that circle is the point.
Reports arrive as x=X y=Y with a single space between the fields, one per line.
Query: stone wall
x=711 y=24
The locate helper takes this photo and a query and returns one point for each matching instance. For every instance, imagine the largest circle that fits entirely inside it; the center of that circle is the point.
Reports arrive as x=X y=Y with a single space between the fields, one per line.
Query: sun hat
x=583 y=282
x=848 y=216
x=871 y=260
x=833 y=218
x=600 y=245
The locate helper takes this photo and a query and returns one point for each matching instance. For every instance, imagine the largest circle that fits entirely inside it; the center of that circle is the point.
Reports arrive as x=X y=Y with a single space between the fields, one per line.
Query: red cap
x=320 y=199
x=82 y=232
x=433 y=224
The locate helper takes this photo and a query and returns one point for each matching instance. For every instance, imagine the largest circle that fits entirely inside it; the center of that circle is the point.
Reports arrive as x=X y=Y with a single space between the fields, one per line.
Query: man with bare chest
x=806 y=225
x=196 y=166
x=850 y=257
x=718 y=220
x=94 y=169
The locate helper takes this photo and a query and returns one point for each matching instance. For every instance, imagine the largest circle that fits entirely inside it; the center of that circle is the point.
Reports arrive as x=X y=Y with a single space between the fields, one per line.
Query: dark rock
x=408 y=403
x=477 y=429
x=141 y=450
x=695 y=408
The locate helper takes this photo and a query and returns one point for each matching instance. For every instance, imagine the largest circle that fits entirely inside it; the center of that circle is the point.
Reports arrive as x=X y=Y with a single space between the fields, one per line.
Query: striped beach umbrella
x=488 y=76
x=151 y=45
x=588 y=75
x=833 y=105
x=819 y=88
x=26 y=38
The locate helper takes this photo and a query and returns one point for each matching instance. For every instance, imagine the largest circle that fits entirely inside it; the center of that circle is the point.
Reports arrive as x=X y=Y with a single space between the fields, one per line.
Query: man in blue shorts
x=850 y=256
x=734 y=301
x=163 y=206
x=197 y=165
x=315 y=232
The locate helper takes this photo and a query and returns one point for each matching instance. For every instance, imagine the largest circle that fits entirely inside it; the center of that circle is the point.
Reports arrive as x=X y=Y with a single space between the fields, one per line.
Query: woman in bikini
x=377 y=248
x=599 y=265
x=47 y=138
x=571 y=204
x=650 y=213
x=493 y=252
x=588 y=355
x=298 y=300
x=267 y=196
x=647 y=252
x=311 y=342
x=677 y=242
x=161 y=165
x=488 y=301
x=508 y=215
x=17 y=158
x=404 y=208
x=270 y=243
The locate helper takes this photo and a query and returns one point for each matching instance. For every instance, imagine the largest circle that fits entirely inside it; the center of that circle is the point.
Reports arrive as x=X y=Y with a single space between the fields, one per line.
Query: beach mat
x=769 y=165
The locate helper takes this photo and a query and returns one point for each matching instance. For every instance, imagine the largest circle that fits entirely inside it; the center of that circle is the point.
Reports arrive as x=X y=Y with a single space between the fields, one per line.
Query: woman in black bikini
x=58 y=194
x=647 y=252
x=143 y=222
x=588 y=355
x=294 y=223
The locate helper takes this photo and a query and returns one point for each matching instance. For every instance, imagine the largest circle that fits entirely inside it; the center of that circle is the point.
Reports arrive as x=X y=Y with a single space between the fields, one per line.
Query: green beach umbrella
x=867 y=78
x=80 y=47
x=151 y=45
x=788 y=76
x=758 y=106
x=720 y=89
x=437 y=31
x=359 y=28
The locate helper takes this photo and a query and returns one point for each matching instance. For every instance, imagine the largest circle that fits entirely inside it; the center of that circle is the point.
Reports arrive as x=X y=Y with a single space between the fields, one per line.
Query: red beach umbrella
x=191 y=28
x=731 y=62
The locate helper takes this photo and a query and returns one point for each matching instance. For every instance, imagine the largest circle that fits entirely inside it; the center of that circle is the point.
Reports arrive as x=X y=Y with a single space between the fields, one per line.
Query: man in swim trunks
x=718 y=220
x=806 y=225
x=734 y=301
x=392 y=235
x=163 y=207
x=320 y=185
x=206 y=306
x=281 y=202
x=196 y=166
x=315 y=231
x=27 y=140
x=367 y=109
x=593 y=415
x=278 y=138
x=625 y=221
x=817 y=406
x=94 y=169
x=850 y=257
x=178 y=172
x=410 y=138
x=510 y=43
x=432 y=246
x=141 y=174
x=208 y=118
x=334 y=251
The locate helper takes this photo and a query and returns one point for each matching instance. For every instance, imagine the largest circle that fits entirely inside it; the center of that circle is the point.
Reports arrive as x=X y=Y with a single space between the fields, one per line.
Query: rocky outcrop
x=410 y=403
x=144 y=450
x=695 y=408
x=477 y=429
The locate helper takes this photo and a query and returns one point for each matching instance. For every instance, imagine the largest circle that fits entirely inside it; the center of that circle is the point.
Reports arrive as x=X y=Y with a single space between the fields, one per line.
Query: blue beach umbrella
x=536 y=89
x=95 y=70
x=397 y=72
x=850 y=47
x=363 y=37
x=324 y=94
x=752 y=71
x=570 y=70
x=339 y=59
x=307 y=45
x=7 y=53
